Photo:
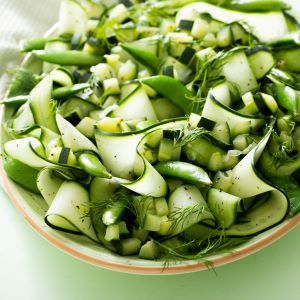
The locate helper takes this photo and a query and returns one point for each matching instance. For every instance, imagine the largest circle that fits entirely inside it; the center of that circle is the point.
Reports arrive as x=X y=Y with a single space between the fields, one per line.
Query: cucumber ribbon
x=247 y=182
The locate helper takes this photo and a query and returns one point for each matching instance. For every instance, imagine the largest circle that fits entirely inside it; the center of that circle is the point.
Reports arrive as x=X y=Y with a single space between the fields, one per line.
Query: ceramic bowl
x=33 y=209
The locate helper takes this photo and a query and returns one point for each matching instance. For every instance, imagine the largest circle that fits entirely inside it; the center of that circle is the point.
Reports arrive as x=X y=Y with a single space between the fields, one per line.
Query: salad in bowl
x=144 y=136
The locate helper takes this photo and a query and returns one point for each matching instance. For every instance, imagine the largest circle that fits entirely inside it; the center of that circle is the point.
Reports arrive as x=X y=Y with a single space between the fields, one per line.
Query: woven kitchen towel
x=22 y=19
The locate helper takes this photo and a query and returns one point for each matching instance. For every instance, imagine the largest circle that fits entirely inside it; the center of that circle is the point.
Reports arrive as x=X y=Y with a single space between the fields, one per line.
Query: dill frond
x=22 y=83
x=191 y=135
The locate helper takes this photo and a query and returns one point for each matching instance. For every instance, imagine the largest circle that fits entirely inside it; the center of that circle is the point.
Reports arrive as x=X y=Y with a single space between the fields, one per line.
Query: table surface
x=32 y=269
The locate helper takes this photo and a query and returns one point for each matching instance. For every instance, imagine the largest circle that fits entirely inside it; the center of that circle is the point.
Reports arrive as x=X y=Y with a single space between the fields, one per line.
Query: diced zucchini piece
x=224 y=37
x=103 y=71
x=261 y=61
x=223 y=206
x=129 y=246
x=241 y=128
x=250 y=105
x=127 y=71
x=152 y=222
x=109 y=124
x=200 y=28
x=62 y=155
x=244 y=78
x=86 y=127
x=209 y=40
x=165 y=109
x=112 y=233
x=140 y=233
x=168 y=151
x=149 y=250
x=194 y=120
x=241 y=141
x=161 y=207
x=111 y=86
x=223 y=180
x=240 y=35
x=222 y=133
x=123 y=228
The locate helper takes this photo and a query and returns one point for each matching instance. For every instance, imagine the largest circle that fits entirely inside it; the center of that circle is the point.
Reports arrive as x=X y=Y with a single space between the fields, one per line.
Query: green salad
x=163 y=129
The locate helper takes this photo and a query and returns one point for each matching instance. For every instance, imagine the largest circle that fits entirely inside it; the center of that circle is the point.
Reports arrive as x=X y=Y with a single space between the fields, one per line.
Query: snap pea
x=22 y=174
x=184 y=171
x=39 y=43
x=172 y=89
x=114 y=213
x=144 y=57
x=91 y=164
x=58 y=93
x=67 y=91
x=255 y=5
x=68 y=57
x=277 y=75
x=286 y=97
x=15 y=101
x=33 y=44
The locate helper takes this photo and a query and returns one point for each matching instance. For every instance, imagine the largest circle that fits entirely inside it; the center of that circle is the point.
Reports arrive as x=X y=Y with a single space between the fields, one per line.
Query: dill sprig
x=181 y=217
x=283 y=153
x=191 y=135
x=140 y=206
x=22 y=83
x=198 y=250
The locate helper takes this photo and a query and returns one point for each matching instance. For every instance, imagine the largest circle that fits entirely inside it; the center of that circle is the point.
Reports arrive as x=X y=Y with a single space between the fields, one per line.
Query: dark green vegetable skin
x=22 y=174
x=68 y=57
x=91 y=164
x=114 y=213
x=286 y=97
x=39 y=43
x=58 y=93
x=142 y=56
x=255 y=5
x=172 y=89
x=184 y=171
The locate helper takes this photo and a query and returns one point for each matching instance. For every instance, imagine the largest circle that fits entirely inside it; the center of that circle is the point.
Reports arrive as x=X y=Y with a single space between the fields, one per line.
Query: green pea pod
x=33 y=44
x=183 y=171
x=255 y=5
x=15 y=101
x=58 y=93
x=277 y=75
x=173 y=90
x=286 y=97
x=68 y=57
x=67 y=91
x=114 y=213
x=91 y=164
x=39 y=43
x=144 y=57
x=22 y=174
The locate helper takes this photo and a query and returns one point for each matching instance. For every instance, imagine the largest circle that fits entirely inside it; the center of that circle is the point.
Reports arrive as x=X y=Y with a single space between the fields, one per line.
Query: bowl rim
x=182 y=268
x=189 y=266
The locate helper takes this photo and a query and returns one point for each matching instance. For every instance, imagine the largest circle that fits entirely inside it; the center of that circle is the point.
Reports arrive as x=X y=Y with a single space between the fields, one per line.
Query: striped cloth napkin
x=22 y=19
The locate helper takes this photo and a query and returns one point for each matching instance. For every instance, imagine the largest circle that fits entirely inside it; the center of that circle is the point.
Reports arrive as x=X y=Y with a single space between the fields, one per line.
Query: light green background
x=32 y=269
